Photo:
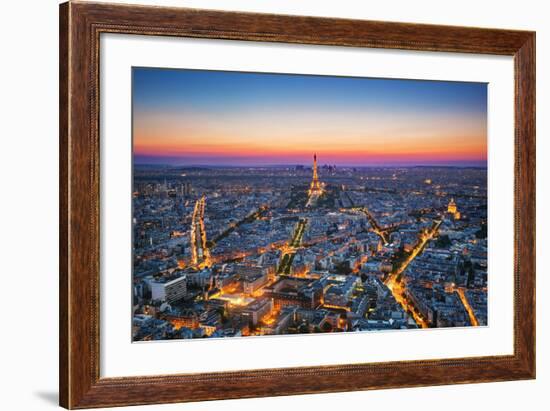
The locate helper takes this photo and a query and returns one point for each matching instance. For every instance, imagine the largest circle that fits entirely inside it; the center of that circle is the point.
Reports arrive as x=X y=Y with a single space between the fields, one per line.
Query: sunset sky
x=194 y=117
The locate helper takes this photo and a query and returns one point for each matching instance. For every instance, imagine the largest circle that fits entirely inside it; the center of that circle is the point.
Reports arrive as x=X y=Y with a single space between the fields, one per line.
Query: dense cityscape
x=229 y=251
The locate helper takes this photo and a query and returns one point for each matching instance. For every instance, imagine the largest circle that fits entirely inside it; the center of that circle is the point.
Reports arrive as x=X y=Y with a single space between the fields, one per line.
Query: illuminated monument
x=315 y=188
x=452 y=209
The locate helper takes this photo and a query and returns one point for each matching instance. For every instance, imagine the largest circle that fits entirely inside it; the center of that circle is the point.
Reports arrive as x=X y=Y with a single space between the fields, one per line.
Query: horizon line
x=447 y=165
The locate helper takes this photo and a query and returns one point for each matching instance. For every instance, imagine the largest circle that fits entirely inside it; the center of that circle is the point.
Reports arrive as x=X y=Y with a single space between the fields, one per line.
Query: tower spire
x=315 y=177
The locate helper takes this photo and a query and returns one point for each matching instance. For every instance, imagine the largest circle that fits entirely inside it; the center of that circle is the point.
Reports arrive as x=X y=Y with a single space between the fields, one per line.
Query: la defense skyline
x=212 y=118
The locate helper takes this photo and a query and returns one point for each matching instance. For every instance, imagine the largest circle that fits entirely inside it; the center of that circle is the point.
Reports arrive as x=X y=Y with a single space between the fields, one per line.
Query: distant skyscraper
x=185 y=189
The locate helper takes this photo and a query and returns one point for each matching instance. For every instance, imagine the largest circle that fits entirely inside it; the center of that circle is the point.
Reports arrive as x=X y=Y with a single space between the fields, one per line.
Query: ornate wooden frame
x=80 y=27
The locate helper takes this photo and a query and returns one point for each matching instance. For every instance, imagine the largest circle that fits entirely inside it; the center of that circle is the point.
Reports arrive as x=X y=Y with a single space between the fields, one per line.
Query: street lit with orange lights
x=396 y=286
x=200 y=251
x=464 y=299
x=288 y=250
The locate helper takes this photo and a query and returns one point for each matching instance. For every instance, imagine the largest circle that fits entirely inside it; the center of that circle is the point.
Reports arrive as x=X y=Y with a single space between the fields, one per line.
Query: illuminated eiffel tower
x=315 y=187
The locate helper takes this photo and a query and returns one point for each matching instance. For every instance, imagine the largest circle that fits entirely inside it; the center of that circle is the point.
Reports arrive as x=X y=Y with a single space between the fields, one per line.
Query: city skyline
x=276 y=204
x=193 y=117
x=233 y=253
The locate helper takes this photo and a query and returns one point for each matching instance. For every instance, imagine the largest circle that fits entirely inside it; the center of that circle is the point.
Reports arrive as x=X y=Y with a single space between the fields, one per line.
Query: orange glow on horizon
x=282 y=119
x=419 y=149
x=356 y=140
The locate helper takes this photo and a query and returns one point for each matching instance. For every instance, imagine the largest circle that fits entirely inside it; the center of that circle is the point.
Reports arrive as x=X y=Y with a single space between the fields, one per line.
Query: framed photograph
x=260 y=205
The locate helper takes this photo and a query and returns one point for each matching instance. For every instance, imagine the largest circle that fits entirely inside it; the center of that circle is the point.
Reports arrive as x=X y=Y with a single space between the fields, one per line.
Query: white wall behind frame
x=28 y=165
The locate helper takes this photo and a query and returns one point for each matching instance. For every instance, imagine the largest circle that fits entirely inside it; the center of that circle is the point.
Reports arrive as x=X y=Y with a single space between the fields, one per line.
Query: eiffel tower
x=315 y=186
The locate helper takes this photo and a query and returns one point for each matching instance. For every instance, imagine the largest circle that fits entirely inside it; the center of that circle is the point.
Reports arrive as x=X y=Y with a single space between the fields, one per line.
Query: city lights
x=282 y=204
